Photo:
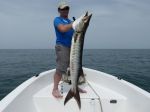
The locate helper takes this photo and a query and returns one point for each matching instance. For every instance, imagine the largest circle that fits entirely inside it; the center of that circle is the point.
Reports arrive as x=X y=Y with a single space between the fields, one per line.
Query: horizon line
x=84 y=48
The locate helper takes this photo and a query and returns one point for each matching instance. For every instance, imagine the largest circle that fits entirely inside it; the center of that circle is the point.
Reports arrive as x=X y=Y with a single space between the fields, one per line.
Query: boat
x=105 y=93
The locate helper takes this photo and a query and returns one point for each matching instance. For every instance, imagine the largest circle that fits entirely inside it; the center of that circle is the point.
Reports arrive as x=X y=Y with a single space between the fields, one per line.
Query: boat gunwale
x=18 y=90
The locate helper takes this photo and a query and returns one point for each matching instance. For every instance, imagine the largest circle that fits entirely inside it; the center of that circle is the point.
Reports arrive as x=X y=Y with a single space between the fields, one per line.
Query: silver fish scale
x=75 y=61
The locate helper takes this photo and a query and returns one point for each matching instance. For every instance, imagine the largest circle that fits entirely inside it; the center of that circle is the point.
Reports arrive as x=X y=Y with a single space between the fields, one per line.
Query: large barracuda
x=76 y=57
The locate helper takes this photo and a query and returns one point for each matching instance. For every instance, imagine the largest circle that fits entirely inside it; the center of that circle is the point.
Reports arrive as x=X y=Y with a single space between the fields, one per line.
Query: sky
x=115 y=24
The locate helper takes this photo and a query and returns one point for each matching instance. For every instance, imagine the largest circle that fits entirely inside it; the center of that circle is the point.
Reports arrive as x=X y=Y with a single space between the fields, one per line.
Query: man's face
x=64 y=12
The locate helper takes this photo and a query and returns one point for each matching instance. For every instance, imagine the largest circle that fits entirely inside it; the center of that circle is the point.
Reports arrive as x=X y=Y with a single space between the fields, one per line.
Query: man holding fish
x=64 y=29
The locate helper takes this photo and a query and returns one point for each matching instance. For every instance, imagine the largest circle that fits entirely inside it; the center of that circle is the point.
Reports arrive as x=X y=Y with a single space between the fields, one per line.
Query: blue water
x=17 y=66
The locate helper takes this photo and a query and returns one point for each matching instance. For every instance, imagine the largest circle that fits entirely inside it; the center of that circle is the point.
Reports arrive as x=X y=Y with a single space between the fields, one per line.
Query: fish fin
x=75 y=38
x=75 y=95
x=77 y=98
x=68 y=71
x=81 y=72
x=81 y=79
x=69 y=96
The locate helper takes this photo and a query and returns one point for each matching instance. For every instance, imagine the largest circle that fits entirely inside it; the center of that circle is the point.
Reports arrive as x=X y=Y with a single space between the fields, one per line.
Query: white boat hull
x=106 y=93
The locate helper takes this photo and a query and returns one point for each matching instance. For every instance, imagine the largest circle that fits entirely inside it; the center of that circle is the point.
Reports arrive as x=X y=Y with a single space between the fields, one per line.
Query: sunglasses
x=66 y=8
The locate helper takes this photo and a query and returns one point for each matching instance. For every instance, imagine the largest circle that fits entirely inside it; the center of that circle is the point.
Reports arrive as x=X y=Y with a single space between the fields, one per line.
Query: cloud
x=114 y=24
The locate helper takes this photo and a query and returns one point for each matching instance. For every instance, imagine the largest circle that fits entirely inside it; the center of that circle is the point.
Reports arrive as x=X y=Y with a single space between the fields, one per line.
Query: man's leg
x=57 y=78
x=57 y=75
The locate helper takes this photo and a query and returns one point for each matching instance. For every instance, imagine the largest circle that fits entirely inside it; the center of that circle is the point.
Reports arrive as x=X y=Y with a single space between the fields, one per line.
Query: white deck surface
x=105 y=93
x=90 y=100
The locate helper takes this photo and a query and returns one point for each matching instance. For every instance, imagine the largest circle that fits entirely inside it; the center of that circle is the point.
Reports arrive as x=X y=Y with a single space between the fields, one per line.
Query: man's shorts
x=62 y=58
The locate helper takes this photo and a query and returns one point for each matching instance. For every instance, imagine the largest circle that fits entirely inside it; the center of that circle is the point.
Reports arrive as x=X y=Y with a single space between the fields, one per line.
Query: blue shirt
x=63 y=38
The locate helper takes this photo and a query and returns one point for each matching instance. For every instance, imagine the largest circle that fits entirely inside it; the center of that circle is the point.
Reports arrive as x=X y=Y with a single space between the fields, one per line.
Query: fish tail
x=76 y=96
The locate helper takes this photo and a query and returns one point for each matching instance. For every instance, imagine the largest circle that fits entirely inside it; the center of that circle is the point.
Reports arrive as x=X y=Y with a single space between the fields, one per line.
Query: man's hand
x=76 y=22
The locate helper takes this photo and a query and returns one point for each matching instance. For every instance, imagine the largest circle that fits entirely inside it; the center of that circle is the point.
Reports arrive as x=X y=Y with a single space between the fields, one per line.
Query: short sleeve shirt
x=63 y=38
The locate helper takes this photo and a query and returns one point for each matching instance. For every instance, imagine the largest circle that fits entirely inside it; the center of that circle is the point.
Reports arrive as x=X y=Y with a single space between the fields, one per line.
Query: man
x=64 y=32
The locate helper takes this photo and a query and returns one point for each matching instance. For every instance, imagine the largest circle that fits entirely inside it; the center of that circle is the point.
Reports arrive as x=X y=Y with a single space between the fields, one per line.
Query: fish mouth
x=83 y=22
x=87 y=14
x=87 y=17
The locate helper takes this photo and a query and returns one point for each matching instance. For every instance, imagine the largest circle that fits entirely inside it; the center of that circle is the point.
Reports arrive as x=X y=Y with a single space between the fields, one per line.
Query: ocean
x=16 y=66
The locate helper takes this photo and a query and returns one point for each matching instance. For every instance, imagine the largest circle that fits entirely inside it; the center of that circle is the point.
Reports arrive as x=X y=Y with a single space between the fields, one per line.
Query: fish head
x=84 y=22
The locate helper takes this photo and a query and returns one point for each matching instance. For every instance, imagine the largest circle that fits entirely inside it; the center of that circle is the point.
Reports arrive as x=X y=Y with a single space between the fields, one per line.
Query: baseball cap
x=62 y=5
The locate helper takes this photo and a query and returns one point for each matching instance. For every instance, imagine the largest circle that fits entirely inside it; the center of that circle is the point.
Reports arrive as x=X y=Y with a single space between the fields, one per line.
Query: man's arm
x=64 y=28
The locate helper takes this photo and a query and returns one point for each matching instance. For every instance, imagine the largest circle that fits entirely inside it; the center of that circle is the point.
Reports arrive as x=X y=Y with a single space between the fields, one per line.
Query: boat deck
x=105 y=93
x=96 y=99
